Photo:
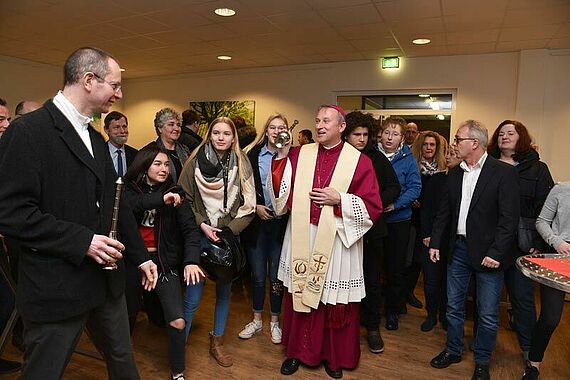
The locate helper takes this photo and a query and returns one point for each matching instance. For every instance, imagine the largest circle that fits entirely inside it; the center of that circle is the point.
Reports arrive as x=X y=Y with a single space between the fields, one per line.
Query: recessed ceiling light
x=224 y=57
x=225 y=12
x=421 y=41
x=424 y=95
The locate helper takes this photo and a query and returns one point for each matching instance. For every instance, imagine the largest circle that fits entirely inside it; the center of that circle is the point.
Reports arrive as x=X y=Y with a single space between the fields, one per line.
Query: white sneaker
x=275 y=333
x=250 y=329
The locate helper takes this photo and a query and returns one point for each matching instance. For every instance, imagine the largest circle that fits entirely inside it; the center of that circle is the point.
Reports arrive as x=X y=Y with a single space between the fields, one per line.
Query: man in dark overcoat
x=56 y=199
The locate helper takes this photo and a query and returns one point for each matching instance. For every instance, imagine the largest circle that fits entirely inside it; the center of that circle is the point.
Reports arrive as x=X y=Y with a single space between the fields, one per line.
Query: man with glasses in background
x=480 y=206
x=58 y=203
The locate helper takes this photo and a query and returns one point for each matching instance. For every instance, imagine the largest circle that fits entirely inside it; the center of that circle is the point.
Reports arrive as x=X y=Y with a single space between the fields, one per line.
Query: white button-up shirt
x=113 y=152
x=470 y=177
x=79 y=121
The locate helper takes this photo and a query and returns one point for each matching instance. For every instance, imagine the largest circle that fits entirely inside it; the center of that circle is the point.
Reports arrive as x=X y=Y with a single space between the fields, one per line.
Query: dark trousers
x=372 y=262
x=435 y=283
x=49 y=345
x=6 y=303
x=414 y=260
x=551 y=307
x=521 y=294
x=396 y=248
x=263 y=257
x=169 y=292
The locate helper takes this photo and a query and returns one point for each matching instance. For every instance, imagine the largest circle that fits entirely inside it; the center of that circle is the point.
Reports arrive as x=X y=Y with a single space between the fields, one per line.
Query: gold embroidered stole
x=309 y=268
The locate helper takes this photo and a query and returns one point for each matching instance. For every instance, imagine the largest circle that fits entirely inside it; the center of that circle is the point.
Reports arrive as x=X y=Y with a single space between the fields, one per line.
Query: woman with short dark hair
x=512 y=143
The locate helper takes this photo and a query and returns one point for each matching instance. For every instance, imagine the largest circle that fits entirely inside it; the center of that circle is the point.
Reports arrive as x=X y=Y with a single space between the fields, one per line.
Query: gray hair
x=85 y=60
x=163 y=116
x=476 y=130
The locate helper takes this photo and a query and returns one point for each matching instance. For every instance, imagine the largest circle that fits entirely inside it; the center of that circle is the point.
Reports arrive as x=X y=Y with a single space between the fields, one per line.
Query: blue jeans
x=521 y=294
x=192 y=301
x=264 y=253
x=489 y=286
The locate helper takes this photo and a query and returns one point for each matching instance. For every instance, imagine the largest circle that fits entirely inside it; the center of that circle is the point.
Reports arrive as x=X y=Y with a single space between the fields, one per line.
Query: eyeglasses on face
x=457 y=140
x=115 y=86
x=386 y=132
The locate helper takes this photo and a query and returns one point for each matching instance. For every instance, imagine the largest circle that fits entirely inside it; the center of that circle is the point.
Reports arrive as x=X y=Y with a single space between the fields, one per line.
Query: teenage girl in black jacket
x=167 y=226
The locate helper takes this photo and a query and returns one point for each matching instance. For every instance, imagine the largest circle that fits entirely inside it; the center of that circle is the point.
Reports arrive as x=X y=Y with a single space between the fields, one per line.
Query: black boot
x=414 y=301
x=429 y=322
x=392 y=321
x=375 y=342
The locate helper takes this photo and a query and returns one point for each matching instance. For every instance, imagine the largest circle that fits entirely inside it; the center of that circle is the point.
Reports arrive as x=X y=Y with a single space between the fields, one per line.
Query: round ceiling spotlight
x=224 y=57
x=225 y=12
x=421 y=41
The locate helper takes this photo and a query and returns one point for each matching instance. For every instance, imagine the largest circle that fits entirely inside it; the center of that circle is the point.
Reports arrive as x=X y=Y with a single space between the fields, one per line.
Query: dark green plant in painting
x=208 y=111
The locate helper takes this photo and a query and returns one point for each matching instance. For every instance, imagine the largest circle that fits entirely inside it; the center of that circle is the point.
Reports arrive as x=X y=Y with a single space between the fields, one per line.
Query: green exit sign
x=390 y=62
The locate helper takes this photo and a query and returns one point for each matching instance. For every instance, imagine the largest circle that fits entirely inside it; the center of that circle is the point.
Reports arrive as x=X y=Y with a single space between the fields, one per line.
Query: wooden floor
x=407 y=354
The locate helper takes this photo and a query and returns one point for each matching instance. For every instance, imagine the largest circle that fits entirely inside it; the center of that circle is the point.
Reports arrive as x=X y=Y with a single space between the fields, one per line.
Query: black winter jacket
x=175 y=231
x=535 y=184
x=389 y=189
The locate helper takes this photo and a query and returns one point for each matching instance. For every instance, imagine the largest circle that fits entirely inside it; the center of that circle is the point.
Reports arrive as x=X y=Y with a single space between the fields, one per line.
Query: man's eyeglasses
x=457 y=140
x=115 y=86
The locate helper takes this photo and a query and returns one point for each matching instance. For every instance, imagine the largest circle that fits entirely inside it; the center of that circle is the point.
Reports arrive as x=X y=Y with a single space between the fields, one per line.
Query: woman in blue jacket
x=398 y=214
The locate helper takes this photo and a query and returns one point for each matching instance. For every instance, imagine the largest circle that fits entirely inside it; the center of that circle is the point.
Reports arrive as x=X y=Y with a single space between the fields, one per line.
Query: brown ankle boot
x=218 y=352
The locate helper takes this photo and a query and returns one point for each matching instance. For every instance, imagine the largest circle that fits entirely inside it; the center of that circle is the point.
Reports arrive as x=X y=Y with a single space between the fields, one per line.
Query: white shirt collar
x=330 y=147
x=69 y=110
x=113 y=148
x=478 y=165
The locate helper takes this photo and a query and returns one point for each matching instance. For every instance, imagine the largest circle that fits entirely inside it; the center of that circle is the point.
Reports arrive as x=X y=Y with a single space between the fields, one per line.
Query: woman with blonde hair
x=263 y=237
x=429 y=149
x=218 y=181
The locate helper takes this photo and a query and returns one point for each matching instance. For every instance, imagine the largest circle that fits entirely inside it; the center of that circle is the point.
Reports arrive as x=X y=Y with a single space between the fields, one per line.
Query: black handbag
x=223 y=261
x=528 y=236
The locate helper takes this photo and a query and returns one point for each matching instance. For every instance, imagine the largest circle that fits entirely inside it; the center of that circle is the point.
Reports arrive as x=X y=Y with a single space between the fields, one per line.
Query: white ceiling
x=159 y=37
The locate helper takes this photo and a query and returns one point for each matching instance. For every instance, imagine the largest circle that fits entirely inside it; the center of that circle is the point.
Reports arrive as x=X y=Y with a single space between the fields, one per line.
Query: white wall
x=25 y=80
x=530 y=86
x=543 y=104
x=485 y=86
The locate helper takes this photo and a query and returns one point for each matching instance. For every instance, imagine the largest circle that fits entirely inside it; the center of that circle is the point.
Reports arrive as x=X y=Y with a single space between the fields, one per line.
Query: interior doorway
x=430 y=110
